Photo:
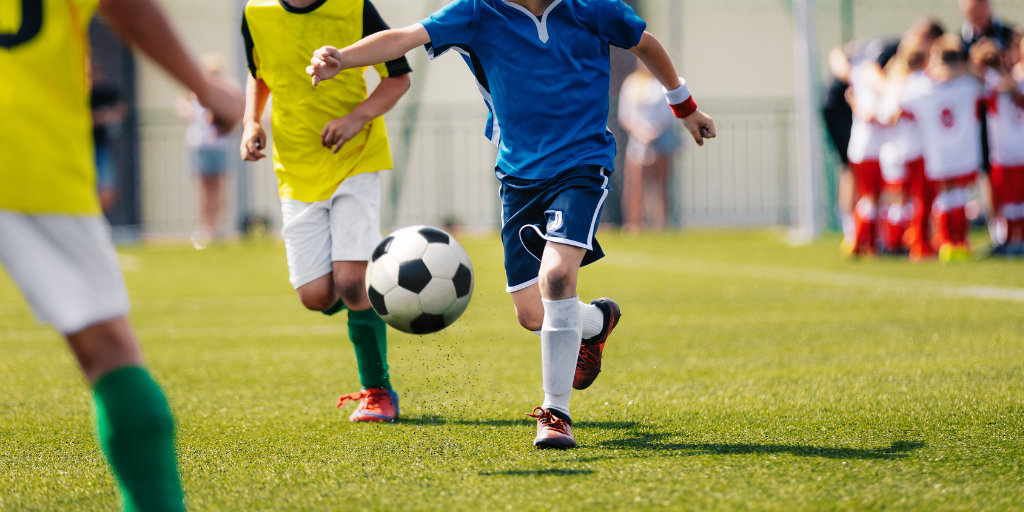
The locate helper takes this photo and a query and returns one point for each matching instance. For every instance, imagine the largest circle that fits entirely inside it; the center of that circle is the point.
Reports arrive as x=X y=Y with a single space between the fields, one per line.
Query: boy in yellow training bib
x=329 y=146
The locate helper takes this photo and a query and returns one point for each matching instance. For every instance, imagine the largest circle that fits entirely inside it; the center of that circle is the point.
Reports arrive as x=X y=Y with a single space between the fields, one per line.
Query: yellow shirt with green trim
x=46 y=148
x=279 y=40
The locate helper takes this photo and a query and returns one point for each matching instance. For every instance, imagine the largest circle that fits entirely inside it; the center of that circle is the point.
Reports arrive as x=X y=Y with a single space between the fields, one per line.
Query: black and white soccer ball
x=419 y=280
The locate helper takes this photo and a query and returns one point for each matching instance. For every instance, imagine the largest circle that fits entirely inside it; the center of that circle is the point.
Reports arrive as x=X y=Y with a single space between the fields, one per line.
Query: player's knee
x=352 y=288
x=316 y=300
x=555 y=281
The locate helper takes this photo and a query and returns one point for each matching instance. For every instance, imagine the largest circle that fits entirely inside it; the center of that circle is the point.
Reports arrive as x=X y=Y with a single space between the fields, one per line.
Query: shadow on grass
x=898 y=449
x=524 y=422
x=539 y=472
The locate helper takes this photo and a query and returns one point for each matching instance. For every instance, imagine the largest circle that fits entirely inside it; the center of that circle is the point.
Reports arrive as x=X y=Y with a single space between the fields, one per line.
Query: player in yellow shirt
x=54 y=242
x=329 y=146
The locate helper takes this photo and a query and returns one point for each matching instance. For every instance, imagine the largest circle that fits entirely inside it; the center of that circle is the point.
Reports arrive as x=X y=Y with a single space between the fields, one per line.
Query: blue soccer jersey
x=545 y=80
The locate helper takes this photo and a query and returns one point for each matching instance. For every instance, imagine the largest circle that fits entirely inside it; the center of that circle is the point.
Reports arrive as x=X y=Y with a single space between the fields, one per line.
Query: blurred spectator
x=108 y=112
x=980 y=22
x=653 y=140
x=208 y=153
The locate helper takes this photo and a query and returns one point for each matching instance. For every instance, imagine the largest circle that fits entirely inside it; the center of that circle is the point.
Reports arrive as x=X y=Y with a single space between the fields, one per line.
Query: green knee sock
x=136 y=431
x=335 y=309
x=369 y=335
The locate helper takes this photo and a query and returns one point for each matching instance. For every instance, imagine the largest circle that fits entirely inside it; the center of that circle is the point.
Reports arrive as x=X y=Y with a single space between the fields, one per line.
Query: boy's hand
x=254 y=139
x=700 y=126
x=340 y=131
x=225 y=101
x=325 y=64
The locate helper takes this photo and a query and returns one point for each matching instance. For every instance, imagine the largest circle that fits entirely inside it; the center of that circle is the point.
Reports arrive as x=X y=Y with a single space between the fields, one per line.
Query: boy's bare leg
x=135 y=425
x=104 y=347
x=632 y=196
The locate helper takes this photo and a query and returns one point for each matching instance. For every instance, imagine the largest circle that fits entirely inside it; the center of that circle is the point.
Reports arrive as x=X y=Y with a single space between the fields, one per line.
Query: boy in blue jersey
x=543 y=69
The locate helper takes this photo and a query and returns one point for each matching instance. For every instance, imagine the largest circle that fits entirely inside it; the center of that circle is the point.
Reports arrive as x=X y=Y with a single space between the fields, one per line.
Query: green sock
x=338 y=307
x=369 y=335
x=136 y=431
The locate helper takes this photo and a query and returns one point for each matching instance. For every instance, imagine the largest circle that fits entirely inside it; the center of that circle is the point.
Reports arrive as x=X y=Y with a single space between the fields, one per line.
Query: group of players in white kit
x=916 y=146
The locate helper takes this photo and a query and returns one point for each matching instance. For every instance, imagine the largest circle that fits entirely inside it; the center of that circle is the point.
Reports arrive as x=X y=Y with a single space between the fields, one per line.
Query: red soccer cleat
x=552 y=431
x=588 y=364
x=374 y=405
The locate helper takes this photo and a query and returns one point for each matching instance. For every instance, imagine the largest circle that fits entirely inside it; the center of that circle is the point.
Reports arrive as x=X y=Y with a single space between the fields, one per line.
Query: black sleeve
x=888 y=51
x=249 y=47
x=373 y=23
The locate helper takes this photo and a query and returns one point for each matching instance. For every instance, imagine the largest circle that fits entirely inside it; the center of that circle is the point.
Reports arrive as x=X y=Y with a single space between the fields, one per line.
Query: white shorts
x=345 y=227
x=66 y=267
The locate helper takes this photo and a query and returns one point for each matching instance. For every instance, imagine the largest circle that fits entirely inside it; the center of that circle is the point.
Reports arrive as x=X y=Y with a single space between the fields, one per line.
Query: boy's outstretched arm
x=143 y=24
x=383 y=46
x=658 y=61
x=383 y=99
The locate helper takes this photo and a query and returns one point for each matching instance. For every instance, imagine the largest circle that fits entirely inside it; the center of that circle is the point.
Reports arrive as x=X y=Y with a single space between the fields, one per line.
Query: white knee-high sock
x=560 y=337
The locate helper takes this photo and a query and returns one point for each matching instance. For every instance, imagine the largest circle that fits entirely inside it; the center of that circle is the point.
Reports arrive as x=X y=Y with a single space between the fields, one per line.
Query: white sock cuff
x=593 y=320
x=561 y=314
x=559 y=403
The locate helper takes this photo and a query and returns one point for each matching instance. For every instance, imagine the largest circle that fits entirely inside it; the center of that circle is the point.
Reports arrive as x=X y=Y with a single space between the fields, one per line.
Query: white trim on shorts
x=589 y=246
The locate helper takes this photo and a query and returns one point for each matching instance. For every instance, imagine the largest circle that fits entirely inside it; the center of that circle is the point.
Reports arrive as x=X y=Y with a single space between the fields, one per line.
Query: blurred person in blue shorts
x=653 y=141
x=208 y=156
x=108 y=112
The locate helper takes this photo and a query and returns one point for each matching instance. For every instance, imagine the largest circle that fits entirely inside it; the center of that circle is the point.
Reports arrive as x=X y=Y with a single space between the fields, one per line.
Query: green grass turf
x=746 y=374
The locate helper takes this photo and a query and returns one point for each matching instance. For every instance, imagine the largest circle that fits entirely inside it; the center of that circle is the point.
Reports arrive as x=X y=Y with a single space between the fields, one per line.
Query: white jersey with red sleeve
x=866 y=136
x=947 y=117
x=904 y=143
x=1006 y=130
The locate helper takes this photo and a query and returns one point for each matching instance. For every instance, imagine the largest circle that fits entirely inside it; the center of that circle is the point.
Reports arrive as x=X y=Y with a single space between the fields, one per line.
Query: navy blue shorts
x=565 y=209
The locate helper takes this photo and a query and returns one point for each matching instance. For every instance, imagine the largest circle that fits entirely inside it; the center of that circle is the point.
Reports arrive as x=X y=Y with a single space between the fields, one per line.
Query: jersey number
x=947 y=118
x=31 y=24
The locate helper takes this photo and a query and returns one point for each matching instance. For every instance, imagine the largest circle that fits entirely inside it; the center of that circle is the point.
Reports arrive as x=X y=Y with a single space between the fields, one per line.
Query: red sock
x=1016 y=231
x=957 y=223
x=865 y=225
x=942 y=229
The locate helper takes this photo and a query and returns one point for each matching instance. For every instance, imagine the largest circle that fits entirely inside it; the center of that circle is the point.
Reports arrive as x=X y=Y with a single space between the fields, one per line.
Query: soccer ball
x=419 y=280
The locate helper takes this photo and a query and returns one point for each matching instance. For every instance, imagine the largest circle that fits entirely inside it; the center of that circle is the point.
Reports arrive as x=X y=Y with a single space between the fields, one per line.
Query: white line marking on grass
x=815 y=277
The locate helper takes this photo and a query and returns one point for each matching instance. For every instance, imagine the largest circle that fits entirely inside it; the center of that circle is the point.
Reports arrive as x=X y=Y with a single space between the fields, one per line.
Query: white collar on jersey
x=542 y=23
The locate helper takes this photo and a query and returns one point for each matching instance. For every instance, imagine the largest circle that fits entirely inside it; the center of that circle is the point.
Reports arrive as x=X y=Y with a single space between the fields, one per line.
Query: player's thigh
x=307 y=240
x=355 y=218
x=559 y=270
x=65 y=266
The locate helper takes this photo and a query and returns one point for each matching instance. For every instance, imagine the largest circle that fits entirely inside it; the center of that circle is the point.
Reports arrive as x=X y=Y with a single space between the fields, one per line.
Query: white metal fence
x=745 y=177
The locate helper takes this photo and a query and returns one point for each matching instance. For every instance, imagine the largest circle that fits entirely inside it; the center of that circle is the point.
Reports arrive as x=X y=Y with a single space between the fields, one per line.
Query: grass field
x=746 y=374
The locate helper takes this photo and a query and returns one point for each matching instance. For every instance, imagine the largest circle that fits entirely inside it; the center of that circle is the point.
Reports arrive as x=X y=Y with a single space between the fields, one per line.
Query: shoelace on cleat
x=589 y=355
x=550 y=420
x=372 y=396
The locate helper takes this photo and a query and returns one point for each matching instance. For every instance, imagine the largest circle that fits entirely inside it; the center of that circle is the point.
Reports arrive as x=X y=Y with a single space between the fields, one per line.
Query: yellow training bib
x=280 y=40
x=46 y=149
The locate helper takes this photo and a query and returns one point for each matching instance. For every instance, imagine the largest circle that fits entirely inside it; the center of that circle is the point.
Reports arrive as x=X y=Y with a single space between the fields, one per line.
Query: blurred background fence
x=744 y=178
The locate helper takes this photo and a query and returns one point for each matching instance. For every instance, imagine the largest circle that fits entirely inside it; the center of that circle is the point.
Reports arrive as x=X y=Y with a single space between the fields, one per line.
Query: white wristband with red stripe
x=681 y=100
